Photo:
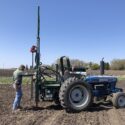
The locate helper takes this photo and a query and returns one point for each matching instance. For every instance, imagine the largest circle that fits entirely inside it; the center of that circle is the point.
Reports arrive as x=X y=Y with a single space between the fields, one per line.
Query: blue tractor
x=78 y=92
x=69 y=86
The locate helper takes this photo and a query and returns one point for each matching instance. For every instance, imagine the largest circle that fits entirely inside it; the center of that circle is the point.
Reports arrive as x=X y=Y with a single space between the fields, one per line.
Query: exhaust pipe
x=102 y=67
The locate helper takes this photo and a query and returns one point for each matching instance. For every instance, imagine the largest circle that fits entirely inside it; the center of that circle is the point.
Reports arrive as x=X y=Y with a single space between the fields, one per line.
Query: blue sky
x=81 y=29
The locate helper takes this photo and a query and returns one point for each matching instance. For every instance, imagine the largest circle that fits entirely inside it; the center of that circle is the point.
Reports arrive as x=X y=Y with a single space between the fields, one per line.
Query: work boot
x=19 y=107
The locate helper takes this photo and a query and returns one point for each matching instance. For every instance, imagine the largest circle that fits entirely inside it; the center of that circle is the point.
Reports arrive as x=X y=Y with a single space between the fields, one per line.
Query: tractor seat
x=72 y=72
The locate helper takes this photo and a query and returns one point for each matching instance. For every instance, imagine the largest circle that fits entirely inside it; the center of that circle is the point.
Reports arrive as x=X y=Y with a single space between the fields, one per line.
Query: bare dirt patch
x=49 y=114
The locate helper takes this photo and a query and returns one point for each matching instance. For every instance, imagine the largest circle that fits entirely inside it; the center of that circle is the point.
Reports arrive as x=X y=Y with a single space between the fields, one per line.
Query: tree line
x=115 y=64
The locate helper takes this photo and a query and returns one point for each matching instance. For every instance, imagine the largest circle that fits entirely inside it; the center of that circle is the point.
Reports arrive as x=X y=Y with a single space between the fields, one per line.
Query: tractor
x=69 y=86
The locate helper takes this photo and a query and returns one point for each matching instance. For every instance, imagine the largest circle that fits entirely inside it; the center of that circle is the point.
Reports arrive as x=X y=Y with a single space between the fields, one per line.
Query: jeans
x=17 y=99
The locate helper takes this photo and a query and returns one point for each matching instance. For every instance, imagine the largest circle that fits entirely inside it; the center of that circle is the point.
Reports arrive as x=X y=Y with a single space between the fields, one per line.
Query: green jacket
x=17 y=76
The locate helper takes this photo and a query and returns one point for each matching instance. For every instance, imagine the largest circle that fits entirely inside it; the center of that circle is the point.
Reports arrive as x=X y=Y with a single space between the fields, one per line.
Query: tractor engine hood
x=100 y=79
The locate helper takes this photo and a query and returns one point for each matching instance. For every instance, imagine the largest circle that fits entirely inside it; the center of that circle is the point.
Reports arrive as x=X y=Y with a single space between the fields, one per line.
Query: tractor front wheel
x=118 y=100
x=75 y=95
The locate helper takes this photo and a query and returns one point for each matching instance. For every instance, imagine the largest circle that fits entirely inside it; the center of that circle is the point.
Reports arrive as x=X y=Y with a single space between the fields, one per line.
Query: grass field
x=6 y=75
x=9 y=80
x=120 y=78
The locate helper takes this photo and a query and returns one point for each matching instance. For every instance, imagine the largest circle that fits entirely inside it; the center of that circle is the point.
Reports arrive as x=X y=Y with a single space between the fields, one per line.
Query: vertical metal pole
x=38 y=37
x=31 y=87
x=32 y=60
x=57 y=69
x=38 y=78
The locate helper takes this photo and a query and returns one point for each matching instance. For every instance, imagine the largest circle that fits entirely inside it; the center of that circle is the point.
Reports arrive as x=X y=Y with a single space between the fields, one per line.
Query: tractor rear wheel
x=118 y=100
x=75 y=95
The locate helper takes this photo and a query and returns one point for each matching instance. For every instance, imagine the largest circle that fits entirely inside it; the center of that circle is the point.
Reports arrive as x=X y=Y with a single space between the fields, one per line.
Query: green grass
x=121 y=78
x=26 y=80
x=9 y=80
x=6 y=80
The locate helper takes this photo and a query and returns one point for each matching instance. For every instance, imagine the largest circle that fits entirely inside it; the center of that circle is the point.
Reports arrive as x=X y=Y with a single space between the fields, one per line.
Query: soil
x=50 y=114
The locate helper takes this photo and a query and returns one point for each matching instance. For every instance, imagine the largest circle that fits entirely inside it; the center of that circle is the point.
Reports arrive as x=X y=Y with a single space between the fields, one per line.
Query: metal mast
x=38 y=77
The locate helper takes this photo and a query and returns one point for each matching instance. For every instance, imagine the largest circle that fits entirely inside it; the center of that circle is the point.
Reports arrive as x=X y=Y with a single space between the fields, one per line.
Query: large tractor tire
x=75 y=95
x=118 y=100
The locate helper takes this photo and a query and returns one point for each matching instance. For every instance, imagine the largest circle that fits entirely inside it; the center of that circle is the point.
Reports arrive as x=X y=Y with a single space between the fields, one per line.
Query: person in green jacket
x=17 y=85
